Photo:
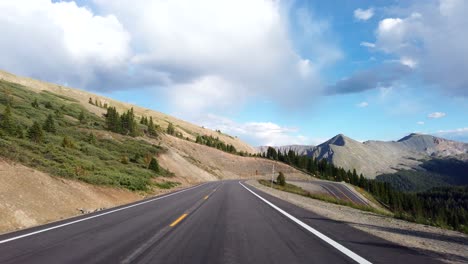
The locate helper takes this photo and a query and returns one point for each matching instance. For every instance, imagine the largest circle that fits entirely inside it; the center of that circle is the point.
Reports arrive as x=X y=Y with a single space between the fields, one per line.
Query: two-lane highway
x=219 y=222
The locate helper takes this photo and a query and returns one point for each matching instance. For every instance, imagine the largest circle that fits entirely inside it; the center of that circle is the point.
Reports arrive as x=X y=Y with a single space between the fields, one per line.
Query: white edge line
x=330 y=241
x=95 y=216
x=358 y=196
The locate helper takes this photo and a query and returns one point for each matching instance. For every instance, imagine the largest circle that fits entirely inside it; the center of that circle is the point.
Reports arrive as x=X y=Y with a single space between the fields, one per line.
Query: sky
x=268 y=71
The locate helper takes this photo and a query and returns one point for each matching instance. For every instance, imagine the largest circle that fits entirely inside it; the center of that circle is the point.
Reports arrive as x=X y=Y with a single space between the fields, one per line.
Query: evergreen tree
x=35 y=133
x=281 y=180
x=6 y=123
x=49 y=125
x=151 y=128
x=170 y=129
x=153 y=165
x=113 y=120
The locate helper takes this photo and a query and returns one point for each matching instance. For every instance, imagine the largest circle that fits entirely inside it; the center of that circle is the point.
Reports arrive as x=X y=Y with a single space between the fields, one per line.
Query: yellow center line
x=178 y=220
x=206 y=197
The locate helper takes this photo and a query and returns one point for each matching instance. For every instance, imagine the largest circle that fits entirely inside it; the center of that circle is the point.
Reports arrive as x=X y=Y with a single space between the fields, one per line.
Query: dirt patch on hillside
x=201 y=162
x=445 y=245
x=29 y=197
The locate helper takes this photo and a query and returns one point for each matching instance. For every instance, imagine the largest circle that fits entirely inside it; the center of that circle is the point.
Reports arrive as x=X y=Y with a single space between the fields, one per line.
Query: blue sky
x=270 y=72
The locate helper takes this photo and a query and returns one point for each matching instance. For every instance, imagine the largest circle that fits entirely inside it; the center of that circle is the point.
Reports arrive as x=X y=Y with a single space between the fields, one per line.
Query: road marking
x=206 y=197
x=339 y=190
x=178 y=220
x=95 y=216
x=355 y=195
x=328 y=240
x=330 y=191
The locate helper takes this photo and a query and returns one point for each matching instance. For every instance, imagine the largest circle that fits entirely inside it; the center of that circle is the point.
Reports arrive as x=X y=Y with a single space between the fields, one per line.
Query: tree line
x=215 y=142
x=446 y=207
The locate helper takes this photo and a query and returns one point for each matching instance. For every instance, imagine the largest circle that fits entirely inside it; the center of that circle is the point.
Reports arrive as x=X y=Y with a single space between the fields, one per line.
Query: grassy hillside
x=76 y=146
x=186 y=129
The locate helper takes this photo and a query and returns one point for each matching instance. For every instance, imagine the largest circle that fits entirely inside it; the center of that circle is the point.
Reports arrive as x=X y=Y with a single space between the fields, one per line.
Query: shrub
x=153 y=165
x=281 y=180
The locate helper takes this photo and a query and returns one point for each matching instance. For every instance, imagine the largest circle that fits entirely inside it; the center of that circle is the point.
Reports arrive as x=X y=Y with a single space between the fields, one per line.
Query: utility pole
x=272 y=176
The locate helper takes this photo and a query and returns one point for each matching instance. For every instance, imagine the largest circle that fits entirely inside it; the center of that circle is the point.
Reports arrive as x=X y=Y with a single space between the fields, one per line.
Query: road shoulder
x=445 y=245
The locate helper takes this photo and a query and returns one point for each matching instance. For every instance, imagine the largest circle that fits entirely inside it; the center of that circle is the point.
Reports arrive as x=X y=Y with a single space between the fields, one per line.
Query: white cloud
x=227 y=47
x=243 y=44
x=420 y=123
x=363 y=104
x=459 y=134
x=61 y=42
x=367 y=44
x=458 y=130
x=257 y=133
x=363 y=14
x=409 y=62
x=436 y=115
x=430 y=35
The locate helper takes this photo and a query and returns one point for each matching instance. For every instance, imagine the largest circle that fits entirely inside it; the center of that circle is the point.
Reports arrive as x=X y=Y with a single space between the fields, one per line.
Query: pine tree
x=6 y=123
x=49 y=125
x=113 y=120
x=170 y=129
x=35 y=133
x=281 y=180
x=153 y=165
x=151 y=128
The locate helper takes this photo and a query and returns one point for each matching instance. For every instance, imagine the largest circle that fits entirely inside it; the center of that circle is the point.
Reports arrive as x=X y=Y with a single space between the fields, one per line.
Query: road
x=335 y=189
x=218 y=222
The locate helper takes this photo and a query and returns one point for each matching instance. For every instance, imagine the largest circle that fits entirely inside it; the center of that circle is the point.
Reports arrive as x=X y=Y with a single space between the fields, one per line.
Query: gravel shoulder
x=445 y=245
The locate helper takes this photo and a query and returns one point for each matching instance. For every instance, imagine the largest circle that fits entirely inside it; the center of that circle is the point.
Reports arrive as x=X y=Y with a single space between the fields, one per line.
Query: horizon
x=289 y=73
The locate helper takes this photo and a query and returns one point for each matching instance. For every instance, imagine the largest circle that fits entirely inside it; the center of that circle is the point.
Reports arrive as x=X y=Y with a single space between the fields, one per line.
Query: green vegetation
x=166 y=184
x=291 y=188
x=170 y=129
x=61 y=142
x=447 y=208
x=281 y=180
x=437 y=173
x=214 y=142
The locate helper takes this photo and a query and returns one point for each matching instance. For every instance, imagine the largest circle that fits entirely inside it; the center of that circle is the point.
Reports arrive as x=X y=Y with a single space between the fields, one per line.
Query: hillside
x=187 y=129
x=54 y=135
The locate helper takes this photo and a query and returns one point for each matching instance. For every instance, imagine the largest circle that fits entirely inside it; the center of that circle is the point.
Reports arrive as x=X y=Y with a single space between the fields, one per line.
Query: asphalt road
x=220 y=222
x=337 y=190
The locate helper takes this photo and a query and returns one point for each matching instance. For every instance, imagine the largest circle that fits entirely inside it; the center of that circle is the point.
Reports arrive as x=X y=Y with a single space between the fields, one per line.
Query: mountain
x=372 y=158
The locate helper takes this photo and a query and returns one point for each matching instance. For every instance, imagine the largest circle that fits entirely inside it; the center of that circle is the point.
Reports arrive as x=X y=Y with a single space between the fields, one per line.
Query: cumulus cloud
x=207 y=49
x=430 y=35
x=212 y=47
x=257 y=133
x=436 y=115
x=363 y=104
x=62 y=42
x=382 y=76
x=367 y=44
x=363 y=14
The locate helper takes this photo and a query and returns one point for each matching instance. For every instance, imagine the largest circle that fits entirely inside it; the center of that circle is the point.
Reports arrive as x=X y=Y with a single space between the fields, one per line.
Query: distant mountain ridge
x=372 y=158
